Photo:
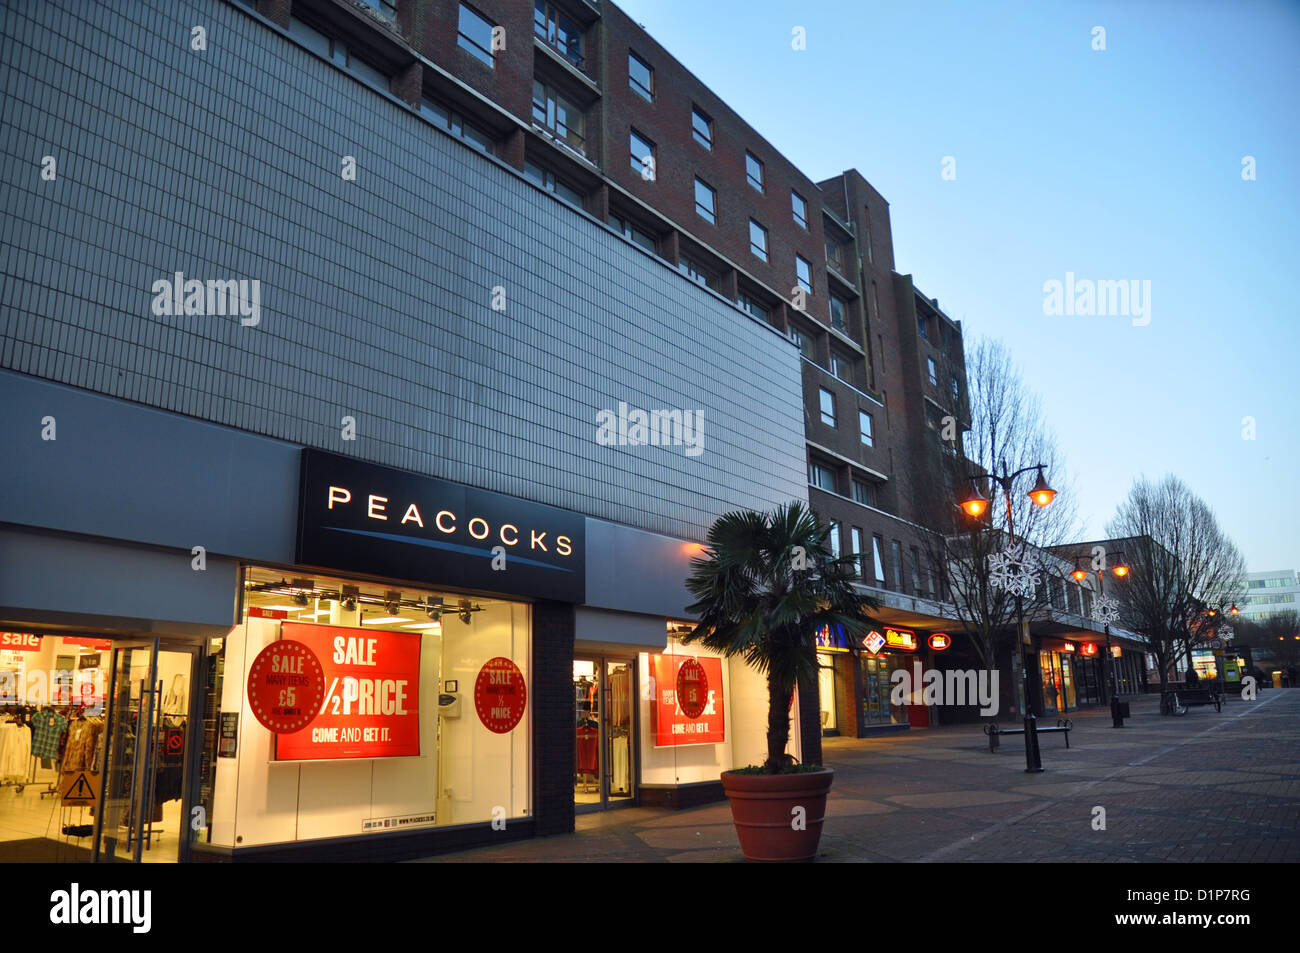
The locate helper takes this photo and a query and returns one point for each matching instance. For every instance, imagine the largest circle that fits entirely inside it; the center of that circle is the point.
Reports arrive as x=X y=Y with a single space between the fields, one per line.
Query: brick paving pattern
x=1205 y=786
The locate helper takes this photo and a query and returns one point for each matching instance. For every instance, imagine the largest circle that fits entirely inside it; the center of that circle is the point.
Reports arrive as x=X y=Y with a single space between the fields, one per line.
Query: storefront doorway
x=605 y=759
x=144 y=790
x=96 y=748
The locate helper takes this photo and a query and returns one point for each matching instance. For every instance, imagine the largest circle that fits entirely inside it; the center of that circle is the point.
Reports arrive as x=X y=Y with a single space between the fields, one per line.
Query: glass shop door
x=142 y=813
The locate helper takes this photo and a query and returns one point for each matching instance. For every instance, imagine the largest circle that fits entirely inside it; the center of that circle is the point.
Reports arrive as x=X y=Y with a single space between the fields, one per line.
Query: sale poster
x=371 y=707
x=672 y=726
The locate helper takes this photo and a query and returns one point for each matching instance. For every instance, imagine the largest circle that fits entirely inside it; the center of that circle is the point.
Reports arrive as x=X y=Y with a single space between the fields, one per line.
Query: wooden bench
x=995 y=730
x=1179 y=701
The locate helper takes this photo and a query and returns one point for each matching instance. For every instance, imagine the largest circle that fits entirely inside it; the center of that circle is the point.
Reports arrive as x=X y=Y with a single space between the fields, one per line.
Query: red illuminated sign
x=500 y=695
x=939 y=641
x=692 y=688
x=371 y=706
x=88 y=642
x=904 y=639
x=19 y=642
x=670 y=720
x=1088 y=648
x=285 y=686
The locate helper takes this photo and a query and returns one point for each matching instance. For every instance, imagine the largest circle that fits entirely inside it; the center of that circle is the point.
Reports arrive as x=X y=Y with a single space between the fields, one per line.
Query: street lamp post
x=1112 y=679
x=975 y=506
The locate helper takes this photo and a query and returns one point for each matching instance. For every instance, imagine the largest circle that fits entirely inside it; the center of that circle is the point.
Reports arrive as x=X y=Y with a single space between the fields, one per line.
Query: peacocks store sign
x=361 y=517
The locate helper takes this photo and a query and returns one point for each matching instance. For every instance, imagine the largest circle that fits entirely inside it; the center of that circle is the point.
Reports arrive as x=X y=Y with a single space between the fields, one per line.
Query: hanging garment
x=15 y=750
x=619 y=783
x=587 y=759
x=48 y=728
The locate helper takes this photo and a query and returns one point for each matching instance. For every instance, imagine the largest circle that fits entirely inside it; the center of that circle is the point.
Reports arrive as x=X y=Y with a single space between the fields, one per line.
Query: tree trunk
x=778 y=723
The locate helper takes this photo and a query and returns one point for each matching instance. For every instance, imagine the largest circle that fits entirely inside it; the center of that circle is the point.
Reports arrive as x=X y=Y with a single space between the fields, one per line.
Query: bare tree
x=1180 y=561
x=1007 y=432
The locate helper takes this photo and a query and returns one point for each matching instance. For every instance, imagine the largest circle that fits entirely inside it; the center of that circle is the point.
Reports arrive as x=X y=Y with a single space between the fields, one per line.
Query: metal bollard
x=1033 y=760
x=1116 y=716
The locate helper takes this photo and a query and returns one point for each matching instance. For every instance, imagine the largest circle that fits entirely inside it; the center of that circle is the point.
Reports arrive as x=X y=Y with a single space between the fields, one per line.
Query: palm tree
x=765 y=587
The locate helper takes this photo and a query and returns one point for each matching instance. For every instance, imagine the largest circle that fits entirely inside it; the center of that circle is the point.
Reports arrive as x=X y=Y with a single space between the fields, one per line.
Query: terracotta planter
x=762 y=807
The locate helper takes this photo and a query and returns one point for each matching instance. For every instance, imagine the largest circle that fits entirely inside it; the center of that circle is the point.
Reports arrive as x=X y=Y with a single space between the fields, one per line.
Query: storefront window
x=422 y=717
x=826 y=690
x=700 y=714
x=877 y=688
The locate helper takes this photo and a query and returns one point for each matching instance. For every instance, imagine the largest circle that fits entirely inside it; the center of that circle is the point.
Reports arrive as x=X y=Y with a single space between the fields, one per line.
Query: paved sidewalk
x=1206 y=786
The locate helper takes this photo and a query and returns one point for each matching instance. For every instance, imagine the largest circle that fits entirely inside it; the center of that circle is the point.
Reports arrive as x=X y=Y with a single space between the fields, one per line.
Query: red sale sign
x=372 y=695
x=699 y=681
x=19 y=642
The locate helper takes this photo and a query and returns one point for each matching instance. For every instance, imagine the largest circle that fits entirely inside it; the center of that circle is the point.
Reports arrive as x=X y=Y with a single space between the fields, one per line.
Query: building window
x=833 y=537
x=804 y=341
x=758 y=239
x=337 y=51
x=704 y=202
x=558 y=31
x=475 y=36
x=803 y=273
x=856 y=538
x=956 y=391
x=932 y=370
x=833 y=256
x=454 y=123
x=552 y=111
x=916 y=571
x=628 y=230
x=640 y=77
x=702 y=128
x=695 y=272
x=864 y=493
x=546 y=179
x=842 y=367
x=751 y=307
x=920 y=327
x=896 y=551
x=864 y=425
x=827 y=400
x=866 y=232
x=800 y=210
x=876 y=545
x=821 y=477
x=387 y=8
x=839 y=313
x=643 y=156
x=754 y=171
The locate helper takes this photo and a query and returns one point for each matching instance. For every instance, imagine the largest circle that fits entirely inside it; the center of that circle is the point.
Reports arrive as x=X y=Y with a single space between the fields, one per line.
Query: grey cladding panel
x=375 y=293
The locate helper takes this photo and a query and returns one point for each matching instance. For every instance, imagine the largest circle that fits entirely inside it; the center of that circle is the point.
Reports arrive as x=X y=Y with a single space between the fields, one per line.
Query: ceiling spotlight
x=302 y=591
x=465 y=613
x=392 y=602
x=433 y=609
x=349 y=597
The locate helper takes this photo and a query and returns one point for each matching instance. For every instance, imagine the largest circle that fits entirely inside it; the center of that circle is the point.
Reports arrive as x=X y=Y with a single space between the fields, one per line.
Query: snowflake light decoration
x=1105 y=610
x=1014 y=570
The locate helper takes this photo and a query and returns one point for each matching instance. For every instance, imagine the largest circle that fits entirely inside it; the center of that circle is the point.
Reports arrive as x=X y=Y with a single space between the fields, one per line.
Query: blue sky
x=1119 y=164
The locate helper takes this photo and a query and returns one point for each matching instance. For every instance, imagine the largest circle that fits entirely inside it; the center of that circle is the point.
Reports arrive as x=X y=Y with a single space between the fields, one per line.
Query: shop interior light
x=384 y=620
x=392 y=602
x=423 y=625
x=282 y=608
x=465 y=611
x=349 y=597
x=433 y=609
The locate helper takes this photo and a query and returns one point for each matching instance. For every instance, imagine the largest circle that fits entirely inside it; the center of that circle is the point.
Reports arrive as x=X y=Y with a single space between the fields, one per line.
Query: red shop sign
x=88 y=642
x=693 y=688
x=285 y=686
x=371 y=695
x=19 y=642
x=500 y=695
x=670 y=723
